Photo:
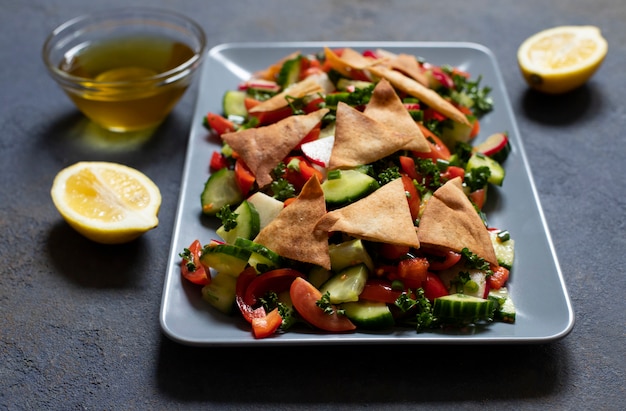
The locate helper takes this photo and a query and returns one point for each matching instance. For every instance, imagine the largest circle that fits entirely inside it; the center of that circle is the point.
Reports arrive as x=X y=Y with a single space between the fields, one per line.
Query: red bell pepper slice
x=498 y=278
x=300 y=170
x=218 y=161
x=219 y=124
x=277 y=280
x=244 y=279
x=243 y=177
x=411 y=271
x=267 y=117
x=263 y=327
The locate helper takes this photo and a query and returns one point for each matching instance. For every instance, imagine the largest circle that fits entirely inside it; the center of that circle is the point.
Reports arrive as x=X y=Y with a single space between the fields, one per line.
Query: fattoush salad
x=349 y=193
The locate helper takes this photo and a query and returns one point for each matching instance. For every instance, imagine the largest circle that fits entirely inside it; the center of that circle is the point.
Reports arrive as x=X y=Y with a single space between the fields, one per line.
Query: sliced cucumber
x=248 y=223
x=345 y=83
x=347 y=254
x=318 y=276
x=476 y=285
x=350 y=186
x=219 y=190
x=346 y=285
x=505 y=308
x=233 y=103
x=220 y=292
x=268 y=207
x=454 y=133
x=481 y=160
x=462 y=308
x=505 y=250
x=225 y=258
x=290 y=72
x=261 y=257
x=370 y=315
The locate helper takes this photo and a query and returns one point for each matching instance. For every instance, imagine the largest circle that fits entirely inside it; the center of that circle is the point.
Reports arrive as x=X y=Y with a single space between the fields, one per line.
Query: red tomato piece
x=438 y=150
x=275 y=280
x=412 y=272
x=267 y=117
x=263 y=327
x=313 y=105
x=304 y=297
x=393 y=251
x=218 y=161
x=478 y=197
x=443 y=261
x=407 y=165
x=498 y=278
x=219 y=124
x=412 y=197
x=301 y=172
x=243 y=281
x=193 y=270
x=453 y=172
x=243 y=177
x=434 y=287
x=379 y=290
x=313 y=135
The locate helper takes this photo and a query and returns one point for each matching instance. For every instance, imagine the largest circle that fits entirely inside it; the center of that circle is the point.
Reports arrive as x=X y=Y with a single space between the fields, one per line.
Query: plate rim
x=383 y=338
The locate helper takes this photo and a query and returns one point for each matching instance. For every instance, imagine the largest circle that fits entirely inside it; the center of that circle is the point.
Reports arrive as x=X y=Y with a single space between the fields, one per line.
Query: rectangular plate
x=544 y=311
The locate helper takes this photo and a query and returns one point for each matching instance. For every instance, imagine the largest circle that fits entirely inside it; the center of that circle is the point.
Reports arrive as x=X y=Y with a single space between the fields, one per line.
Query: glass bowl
x=125 y=69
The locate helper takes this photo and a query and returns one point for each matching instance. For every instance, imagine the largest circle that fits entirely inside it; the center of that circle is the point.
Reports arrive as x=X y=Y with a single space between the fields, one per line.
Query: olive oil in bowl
x=124 y=82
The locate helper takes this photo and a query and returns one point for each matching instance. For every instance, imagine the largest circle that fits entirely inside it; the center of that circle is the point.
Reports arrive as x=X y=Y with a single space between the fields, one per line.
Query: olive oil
x=119 y=90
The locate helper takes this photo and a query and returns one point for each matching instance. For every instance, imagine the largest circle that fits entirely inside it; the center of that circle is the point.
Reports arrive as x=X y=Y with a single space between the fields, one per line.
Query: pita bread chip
x=425 y=94
x=383 y=216
x=450 y=222
x=303 y=88
x=292 y=233
x=263 y=148
x=360 y=139
x=349 y=61
x=386 y=107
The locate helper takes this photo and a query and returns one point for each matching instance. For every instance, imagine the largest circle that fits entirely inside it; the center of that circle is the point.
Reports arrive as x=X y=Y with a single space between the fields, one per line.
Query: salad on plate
x=350 y=195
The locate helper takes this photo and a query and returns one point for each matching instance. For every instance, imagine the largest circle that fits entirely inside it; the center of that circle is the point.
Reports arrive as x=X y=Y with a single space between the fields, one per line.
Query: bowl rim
x=154 y=13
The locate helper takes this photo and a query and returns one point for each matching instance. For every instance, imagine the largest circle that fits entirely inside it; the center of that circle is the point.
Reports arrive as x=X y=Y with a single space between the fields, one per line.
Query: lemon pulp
x=561 y=59
x=106 y=202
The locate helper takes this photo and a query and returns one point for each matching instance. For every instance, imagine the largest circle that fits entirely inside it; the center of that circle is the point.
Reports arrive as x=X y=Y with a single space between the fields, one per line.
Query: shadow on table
x=351 y=375
x=561 y=110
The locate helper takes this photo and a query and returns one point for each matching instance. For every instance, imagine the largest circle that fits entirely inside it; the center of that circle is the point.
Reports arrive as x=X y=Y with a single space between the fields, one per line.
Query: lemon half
x=106 y=202
x=561 y=59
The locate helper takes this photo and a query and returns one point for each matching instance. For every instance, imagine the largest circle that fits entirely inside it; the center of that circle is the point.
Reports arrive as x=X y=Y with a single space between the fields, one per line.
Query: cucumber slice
x=261 y=257
x=345 y=83
x=347 y=254
x=225 y=258
x=455 y=133
x=347 y=284
x=318 y=276
x=290 y=72
x=349 y=187
x=505 y=308
x=248 y=224
x=505 y=250
x=219 y=190
x=481 y=160
x=233 y=103
x=220 y=292
x=370 y=315
x=462 y=308
x=476 y=286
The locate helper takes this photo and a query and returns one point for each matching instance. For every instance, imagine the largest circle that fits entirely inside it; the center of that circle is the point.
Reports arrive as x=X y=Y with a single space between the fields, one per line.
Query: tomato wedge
x=379 y=290
x=412 y=272
x=243 y=177
x=277 y=280
x=412 y=196
x=220 y=124
x=191 y=268
x=434 y=287
x=304 y=297
x=267 y=117
x=444 y=260
x=498 y=278
x=263 y=327
x=438 y=150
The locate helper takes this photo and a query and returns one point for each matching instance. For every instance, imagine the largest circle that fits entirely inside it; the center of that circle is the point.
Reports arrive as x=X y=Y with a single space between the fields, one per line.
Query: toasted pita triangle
x=450 y=222
x=386 y=107
x=383 y=216
x=297 y=90
x=292 y=233
x=263 y=148
x=408 y=64
x=360 y=139
x=415 y=89
x=349 y=61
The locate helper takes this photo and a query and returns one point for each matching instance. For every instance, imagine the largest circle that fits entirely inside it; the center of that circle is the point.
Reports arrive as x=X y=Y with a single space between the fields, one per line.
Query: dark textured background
x=79 y=322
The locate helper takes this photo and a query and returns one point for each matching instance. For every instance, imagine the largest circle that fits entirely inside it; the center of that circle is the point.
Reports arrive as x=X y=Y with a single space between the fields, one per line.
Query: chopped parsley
x=188 y=259
x=326 y=306
x=280 y=187
x=228 y=217
x=477 y=178
x=424 y=317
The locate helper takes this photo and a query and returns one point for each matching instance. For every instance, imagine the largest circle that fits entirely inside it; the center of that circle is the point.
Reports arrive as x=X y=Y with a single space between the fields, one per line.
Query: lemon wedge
x=106 y=202
x=561 y=59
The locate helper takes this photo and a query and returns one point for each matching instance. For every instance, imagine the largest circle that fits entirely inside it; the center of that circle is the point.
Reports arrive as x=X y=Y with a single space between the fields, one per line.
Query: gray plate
x=544 y=311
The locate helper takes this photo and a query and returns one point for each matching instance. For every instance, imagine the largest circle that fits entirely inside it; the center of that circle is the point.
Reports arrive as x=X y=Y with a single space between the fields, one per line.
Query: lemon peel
x=561 y=59
x=106 y=202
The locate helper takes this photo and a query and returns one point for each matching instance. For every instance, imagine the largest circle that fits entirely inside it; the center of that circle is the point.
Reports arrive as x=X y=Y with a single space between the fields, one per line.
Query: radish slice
x=318 y=151
x=496 y=146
